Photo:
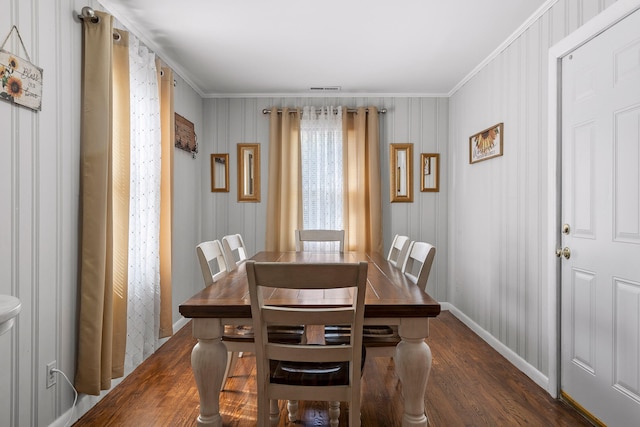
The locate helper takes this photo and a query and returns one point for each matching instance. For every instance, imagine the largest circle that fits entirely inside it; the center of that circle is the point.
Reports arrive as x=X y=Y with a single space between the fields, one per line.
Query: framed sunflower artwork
x=20 y=80
x=486 y=144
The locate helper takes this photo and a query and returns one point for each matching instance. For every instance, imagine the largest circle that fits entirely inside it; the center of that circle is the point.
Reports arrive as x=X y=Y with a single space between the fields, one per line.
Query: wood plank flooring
x=470 y=385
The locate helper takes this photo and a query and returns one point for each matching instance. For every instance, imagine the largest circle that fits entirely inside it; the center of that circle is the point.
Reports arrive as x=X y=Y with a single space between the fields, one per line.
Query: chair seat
x=372 y=335
x=310 y=374
x=380 y=336
x=281 y=334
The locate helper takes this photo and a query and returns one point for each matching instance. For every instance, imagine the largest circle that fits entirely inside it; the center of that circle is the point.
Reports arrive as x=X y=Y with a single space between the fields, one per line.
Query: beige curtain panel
x=284 y=202
x=104 y=165
x=98 y=342
x=167 y=121
x=363 y=204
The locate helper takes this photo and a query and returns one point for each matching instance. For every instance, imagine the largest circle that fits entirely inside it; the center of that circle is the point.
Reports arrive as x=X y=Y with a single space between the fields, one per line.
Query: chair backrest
x=319 y=236
x=235 y=252
x=345 y=281
x=399 y=250
x=418 y=263
x=212 y=262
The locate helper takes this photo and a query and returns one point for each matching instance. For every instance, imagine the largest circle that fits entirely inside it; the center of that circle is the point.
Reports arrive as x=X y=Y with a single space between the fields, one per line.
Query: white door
x=600 y=297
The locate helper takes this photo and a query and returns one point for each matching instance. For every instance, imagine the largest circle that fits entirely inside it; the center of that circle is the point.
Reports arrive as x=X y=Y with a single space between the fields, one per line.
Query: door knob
x=566 y=252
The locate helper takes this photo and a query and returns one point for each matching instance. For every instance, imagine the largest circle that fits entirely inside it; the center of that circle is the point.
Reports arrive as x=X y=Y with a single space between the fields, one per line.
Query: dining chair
x=417 y=265
x=235 y=252
x=307 y=371
x=212 y=262
x=312 y=240
x=381 y=340
x=237 y=338
x=328 y=236
x=213 y=267
x=399 y=250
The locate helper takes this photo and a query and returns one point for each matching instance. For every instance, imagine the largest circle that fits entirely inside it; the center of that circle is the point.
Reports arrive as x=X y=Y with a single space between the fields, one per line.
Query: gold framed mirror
x=219 y=173
x=248 y=172
x=401 y=172
x=430 y=172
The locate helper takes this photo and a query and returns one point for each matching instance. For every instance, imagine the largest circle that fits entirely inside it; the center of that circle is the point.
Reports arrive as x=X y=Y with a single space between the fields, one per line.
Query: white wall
x=39 y=188
x=39 y=192
x=187 y=212
x=498 y=229
x=421 y=121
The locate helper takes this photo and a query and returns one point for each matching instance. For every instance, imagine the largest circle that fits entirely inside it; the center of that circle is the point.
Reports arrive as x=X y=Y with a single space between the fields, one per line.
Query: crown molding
x=505 y=44
x=326 y=95
x=121 y=17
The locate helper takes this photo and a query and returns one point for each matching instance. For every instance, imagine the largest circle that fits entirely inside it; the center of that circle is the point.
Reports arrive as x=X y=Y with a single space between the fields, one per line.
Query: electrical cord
x=75 y=399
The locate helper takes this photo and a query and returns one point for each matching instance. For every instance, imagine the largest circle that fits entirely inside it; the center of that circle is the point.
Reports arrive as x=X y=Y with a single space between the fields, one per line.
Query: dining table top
x=389 y=292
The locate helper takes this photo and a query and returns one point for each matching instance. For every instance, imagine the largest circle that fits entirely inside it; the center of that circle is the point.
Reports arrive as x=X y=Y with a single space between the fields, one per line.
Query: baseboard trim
x=579 y=408
x=516 y=360
x=86 y=402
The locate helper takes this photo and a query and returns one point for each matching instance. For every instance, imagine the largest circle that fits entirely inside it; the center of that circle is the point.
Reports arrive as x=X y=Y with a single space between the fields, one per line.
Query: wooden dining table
x=391 y=299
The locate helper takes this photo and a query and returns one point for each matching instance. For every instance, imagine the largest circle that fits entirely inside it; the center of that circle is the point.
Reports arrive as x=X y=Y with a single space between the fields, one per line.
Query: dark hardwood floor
x=470 y=385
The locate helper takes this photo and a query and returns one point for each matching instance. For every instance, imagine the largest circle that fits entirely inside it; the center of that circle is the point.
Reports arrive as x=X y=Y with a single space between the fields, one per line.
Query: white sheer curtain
x=143 y=311
x=322 y=171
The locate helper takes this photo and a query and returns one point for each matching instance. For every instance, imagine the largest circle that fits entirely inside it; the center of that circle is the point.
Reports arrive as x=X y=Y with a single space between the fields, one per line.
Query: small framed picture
x=487 y=144
x=220 y=173
x=430 y=172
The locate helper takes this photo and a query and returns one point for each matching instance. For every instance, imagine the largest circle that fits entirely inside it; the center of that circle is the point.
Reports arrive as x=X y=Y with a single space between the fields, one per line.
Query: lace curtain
x=144 y=214
x=322 y=169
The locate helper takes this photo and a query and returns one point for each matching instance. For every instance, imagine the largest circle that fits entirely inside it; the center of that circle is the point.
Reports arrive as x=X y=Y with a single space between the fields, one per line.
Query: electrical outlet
x=51 y=376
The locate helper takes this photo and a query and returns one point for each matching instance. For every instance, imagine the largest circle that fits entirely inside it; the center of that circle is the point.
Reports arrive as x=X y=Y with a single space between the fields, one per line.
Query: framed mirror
x=401 y=175
x=219 y=173
x=248 y=172
x=430 y=172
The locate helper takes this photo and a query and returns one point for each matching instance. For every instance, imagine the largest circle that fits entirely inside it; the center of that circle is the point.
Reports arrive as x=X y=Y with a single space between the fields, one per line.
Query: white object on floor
x=9 y=309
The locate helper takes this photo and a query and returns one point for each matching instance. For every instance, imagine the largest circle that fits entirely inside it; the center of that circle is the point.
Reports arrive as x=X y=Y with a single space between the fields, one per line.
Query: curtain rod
x=89 y=15
x=349 y=110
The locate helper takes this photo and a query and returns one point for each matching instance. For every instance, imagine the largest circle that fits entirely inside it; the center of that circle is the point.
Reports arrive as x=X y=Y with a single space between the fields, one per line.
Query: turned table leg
x=413 y=364
x=208 y=361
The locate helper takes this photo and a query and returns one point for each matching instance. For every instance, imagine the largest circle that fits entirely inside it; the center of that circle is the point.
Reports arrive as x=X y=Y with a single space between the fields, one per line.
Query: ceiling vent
x=325 y=89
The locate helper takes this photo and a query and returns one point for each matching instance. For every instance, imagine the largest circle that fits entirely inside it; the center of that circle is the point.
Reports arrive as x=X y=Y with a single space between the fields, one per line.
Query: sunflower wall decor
x=20 y=80
x=486 y=144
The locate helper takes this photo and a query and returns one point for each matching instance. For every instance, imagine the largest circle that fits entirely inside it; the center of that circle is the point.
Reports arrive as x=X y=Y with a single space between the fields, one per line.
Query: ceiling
x=365 y=47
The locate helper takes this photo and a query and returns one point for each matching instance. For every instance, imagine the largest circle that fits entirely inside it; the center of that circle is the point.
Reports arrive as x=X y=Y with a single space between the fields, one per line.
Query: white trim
x=327 y=95
x=505 y=44
x=179 y=325
x=86 y=402
x=121 y=16
x=515 y=359
x=600 y=23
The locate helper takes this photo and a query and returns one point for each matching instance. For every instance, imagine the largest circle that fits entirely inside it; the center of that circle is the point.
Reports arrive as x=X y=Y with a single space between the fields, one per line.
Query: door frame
x=600 y=23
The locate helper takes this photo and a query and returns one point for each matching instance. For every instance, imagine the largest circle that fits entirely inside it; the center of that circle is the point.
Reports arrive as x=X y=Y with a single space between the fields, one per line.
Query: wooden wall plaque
x=185 y=135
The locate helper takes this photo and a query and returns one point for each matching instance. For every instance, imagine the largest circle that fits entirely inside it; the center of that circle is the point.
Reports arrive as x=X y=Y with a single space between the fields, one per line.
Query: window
x=322 y=168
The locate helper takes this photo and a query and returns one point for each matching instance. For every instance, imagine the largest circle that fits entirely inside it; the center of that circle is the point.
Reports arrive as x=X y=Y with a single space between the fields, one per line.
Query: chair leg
x=355 y=417
x=292 y=408
x=334 y=413
x=232 y=362
x=274 y=412
x=232 y=359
